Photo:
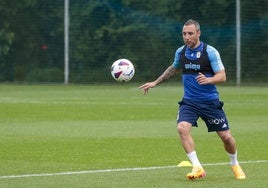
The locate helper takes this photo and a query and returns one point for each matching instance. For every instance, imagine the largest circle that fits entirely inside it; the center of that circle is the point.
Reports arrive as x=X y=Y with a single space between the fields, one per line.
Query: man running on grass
x=202 y=69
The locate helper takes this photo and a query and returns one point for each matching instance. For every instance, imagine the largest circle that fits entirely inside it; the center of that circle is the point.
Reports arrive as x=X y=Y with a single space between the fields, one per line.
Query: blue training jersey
x=192 y=89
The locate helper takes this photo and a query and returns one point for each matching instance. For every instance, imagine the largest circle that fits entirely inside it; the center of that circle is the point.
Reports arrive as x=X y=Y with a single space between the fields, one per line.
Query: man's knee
x=226 y=136
x=184 y=128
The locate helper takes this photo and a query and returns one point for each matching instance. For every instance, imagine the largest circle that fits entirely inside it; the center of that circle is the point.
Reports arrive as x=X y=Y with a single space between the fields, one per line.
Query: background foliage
x=146 y=32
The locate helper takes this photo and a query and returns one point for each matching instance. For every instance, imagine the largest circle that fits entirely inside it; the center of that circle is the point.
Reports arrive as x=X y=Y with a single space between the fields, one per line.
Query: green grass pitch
x=114 y=136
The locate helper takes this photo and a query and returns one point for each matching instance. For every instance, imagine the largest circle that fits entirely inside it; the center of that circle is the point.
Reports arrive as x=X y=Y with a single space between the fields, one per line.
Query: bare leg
x=230 y=146
x=184 y=130
x=228 y=141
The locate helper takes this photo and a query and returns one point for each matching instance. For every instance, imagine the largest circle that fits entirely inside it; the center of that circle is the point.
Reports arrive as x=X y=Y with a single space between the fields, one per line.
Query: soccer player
x=202 y=69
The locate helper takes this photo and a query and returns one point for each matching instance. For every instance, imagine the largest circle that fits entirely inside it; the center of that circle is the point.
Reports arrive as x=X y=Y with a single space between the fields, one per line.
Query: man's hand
x=167 y=74
x=219 y=77
x=202 y=79
x=146 y=87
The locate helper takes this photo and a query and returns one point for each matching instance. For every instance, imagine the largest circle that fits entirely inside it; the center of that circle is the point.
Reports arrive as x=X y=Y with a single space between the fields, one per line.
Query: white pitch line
x=115 y=170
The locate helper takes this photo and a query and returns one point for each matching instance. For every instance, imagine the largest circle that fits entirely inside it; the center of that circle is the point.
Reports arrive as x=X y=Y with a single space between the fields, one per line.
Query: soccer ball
x=122 y=70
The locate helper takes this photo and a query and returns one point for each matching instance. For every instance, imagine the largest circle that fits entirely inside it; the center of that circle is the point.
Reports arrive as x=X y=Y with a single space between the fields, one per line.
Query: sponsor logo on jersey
x=192 y=66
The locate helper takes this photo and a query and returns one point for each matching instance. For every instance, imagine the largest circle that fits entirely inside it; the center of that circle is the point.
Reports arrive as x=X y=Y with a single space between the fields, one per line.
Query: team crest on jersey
x=198 y=54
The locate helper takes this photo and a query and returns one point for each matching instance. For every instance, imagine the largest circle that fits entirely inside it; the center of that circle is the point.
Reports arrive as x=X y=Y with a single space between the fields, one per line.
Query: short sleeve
x=215 y=59
x=176 y=62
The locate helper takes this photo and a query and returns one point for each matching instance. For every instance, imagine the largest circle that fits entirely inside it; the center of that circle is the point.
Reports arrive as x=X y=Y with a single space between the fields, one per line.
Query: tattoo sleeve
x=167 y=74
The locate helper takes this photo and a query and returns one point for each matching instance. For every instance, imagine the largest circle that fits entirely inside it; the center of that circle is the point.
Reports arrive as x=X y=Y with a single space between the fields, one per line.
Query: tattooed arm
x=168 y=73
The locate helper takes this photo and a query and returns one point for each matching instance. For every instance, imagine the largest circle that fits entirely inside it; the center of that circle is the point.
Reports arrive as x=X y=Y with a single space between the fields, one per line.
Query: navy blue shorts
x=211 y=112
